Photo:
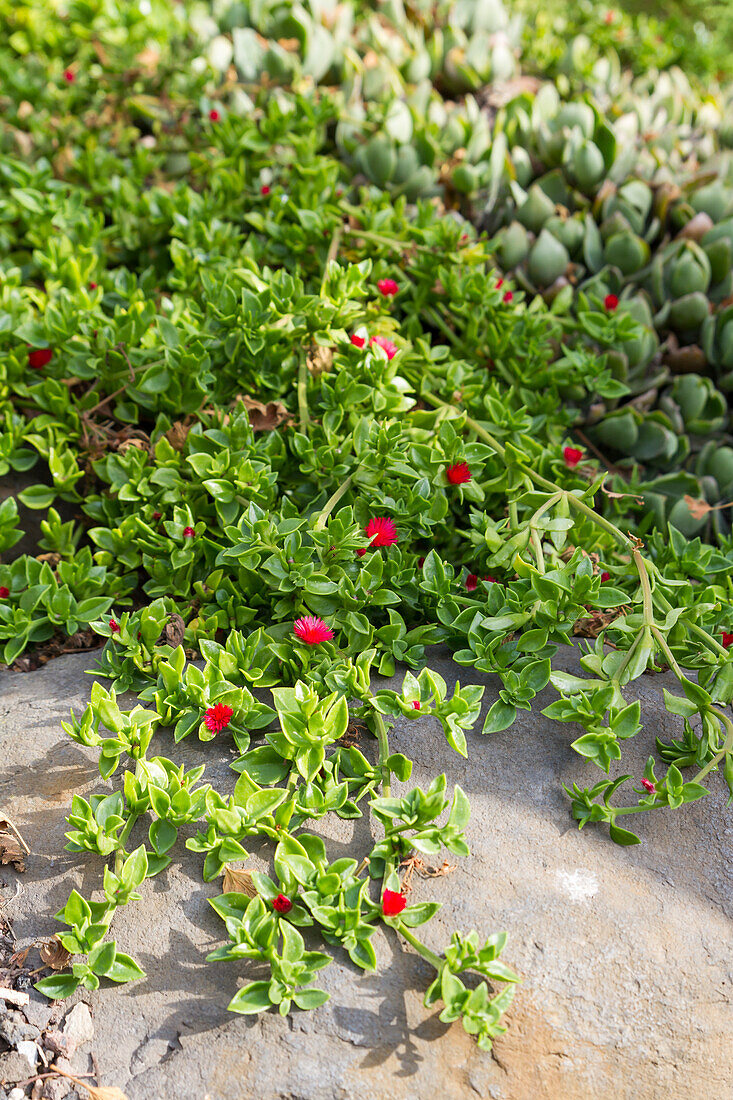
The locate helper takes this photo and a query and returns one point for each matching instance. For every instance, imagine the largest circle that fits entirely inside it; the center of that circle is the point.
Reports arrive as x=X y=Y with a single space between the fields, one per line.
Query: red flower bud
x=605 y=577
x=416 y=705
x=508 y=297
x=727 y=640
x=387 y=288
x=69 y=76
x=281 y=904
x=358 y=341
x=265 y=190
x=471 y=582
x=649 y=785
x=393 y=903
x=388 y=347
x=39 y=357
x=572 y=456
x=214 y=115
x=610 y=302
x=4 y=592
x=188 y=532
x=92 y=286
x=114 y=626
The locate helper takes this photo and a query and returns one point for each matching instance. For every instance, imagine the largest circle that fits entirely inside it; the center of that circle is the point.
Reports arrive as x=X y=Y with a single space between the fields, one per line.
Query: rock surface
x=625 y=953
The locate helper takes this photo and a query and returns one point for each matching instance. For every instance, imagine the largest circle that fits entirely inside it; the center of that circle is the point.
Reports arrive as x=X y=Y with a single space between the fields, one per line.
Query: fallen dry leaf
x=54 y=954
x=176 y=435
x=97 y=1092
x=698 y=508
x=592 y=625
x=175 y=630
x=320 y=361
x=238 y=882
x=12 y=848
x=263 y=418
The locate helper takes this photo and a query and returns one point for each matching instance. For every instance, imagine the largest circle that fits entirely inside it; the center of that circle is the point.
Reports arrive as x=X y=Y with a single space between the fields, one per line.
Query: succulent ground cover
x=326 y=337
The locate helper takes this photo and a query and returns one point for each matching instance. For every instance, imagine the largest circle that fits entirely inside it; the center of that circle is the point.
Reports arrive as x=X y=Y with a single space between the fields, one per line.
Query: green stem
x=430 y=956
x=332 y=501
x=124 y=836
x=383 y=741
x=332 y=253
x=303 y=393
x=727 y=746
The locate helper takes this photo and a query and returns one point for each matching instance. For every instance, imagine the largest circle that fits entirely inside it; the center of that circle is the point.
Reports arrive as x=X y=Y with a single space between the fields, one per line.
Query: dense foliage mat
x=287 y=411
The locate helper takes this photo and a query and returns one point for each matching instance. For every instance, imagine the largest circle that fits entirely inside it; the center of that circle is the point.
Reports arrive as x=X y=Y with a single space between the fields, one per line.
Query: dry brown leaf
x=698 y=508
x=264 y=418
x=238 y=882
x=12 y=849
x=174 y=631
x=320 y=361
x=54 y=954
x=96 y=1092
x=176 y=435
x=148 y=59
x=592 y=625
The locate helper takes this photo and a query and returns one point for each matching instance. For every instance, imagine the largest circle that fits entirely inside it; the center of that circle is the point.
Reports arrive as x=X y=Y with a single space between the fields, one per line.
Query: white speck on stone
x=579 y=885
x=29 y=1050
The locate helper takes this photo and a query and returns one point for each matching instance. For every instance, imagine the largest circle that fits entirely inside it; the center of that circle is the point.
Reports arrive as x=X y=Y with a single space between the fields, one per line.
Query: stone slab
x=625 y=953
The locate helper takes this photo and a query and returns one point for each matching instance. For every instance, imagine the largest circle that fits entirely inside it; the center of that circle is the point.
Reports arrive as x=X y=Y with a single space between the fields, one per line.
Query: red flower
x=610 y=302
x=393 y=903
x=420 y=562
x=458 y=474
x=416 y=705
x=264 y=190
x=386 y=345
x=387 y=288
x=214 y=115
x=92 y=286
x=605 y=577
x=499 y=284
x=114 y=626
x=572 y=456
x=156 y=515
x=281 y=904
x=38 y=357
x=608 y=19
x=488 y=577
x=358 y=341
x=69 y=76
x=312 y=630
x=188 y=532
x=471 y=582
x=218 y=717
x=508 y=297
x=4 y=592
x=649 y=785
x=727 y=640
x=382 y=531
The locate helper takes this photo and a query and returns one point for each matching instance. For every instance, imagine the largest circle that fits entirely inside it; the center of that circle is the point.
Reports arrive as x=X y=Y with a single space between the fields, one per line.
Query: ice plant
x=312 y=630
x=649 y=785
x=471 y=582
x=114 y=626
x=393 y=903
x=188 y=532
x=38 y=357
x=572 y=456
x=610 y=303
x=508 y=296
x=387 y=288
x=416 y=705
x=386 y=345
x=265 y=189
x=281 y=904
x=92 y=286
x=458 y=474
x=69 y=76
x=214 y=115
x=727 y=639
x=358 y=341
x=382 y=531
x=4 y=592
x=605 y=577
x=218 y=717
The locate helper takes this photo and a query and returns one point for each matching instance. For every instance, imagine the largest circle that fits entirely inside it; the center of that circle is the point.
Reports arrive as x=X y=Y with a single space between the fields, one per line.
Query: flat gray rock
x=625 y=953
